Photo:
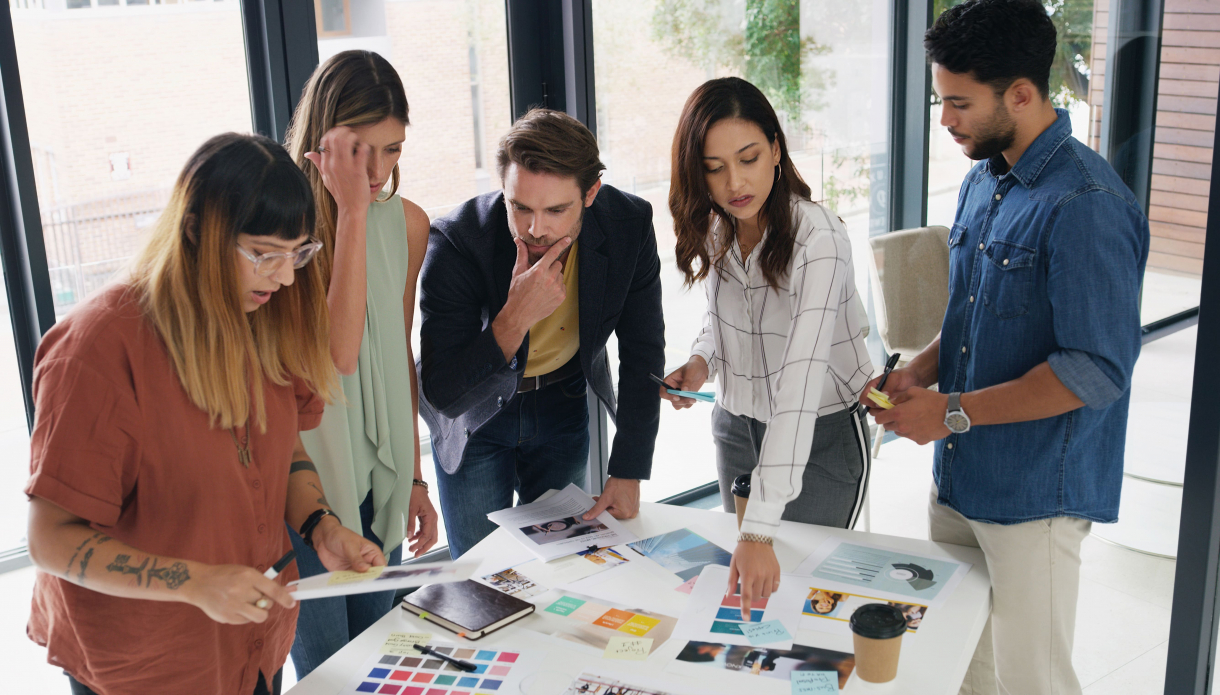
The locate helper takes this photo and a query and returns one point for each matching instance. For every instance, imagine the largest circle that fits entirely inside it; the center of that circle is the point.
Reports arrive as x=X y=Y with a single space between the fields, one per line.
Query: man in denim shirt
x=1038 y=344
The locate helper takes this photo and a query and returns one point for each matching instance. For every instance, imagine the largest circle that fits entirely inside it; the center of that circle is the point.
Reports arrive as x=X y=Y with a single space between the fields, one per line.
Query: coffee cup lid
x=741 y=486
x=878 y=621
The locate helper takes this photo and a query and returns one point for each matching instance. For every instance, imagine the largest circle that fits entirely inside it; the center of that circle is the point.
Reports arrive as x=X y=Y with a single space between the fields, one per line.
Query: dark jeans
x=259 y=689
x=326 y=625
x=538 y=442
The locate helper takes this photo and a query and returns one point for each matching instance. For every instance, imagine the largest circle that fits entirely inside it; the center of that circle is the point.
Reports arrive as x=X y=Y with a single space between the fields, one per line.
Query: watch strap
x=955 y=402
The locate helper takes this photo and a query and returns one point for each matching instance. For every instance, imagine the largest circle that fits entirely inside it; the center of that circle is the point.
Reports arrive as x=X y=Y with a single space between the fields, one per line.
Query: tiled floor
x=1125 y=597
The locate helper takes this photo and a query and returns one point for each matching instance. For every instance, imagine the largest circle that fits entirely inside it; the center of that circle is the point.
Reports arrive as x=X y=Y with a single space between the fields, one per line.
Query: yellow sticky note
x=399 y=643
x=628 y=648
x=337 y=578
x=880 y=399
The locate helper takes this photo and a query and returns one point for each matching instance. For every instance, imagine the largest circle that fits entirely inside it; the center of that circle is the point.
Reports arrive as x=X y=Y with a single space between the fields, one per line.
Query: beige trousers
x=1026 y=646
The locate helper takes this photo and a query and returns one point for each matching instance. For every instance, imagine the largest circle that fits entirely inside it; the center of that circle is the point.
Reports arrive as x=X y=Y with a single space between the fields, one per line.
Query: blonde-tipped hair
x=186 y=280
x=352 y=88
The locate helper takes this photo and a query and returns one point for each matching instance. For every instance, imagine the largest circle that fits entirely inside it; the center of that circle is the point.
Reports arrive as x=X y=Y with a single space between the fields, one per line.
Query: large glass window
x=452 y=56
x=823 y=65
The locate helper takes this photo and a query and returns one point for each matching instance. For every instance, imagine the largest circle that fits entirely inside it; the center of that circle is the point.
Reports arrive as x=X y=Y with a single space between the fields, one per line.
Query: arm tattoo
x=321 y=495
x=174 y=576
x=97 y=539
x=121 y=565
x=302 y=466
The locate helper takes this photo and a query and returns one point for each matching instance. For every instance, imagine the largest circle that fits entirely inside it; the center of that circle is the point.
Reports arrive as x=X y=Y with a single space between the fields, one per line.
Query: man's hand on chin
x=620 y=496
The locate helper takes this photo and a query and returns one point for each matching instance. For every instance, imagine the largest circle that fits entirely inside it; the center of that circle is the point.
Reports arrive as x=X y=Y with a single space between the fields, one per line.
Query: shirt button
x=256 y=484
x=972 y=299
x=258 y=643
x=1005 y=261
x=260 y=568
x=997 y=196
x=963 y=349
x=262 y=528
x=948 y=446
x=499 y=401
x=982 y=246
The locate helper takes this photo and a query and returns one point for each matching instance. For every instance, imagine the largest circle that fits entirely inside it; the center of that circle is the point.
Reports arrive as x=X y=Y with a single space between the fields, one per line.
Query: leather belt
x=534 y=383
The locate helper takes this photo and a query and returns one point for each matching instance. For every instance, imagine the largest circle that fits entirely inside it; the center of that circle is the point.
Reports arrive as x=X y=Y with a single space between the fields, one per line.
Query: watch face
x=957 y=422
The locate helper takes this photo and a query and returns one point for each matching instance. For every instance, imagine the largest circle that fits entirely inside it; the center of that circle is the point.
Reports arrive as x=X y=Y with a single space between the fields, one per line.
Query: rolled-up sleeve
x=1097 y=248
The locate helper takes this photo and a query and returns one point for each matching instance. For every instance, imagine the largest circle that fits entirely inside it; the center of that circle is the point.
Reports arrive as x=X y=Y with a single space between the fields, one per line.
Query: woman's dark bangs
x=283 y=205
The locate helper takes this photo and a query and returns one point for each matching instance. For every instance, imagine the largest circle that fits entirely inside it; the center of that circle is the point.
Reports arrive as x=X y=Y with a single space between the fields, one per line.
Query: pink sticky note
x=508 y=657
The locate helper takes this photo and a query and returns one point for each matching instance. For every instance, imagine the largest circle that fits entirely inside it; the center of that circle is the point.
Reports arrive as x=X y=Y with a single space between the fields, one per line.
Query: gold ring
x=263 y=603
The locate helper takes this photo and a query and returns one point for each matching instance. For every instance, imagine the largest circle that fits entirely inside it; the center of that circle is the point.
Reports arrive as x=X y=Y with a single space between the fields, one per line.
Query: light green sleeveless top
x=369 y=442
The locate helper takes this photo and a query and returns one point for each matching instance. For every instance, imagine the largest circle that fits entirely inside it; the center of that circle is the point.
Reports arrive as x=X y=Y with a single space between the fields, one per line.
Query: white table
x=933 y=661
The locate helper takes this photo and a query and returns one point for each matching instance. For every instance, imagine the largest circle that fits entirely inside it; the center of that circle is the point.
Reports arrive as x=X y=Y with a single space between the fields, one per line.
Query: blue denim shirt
x=1046 y=262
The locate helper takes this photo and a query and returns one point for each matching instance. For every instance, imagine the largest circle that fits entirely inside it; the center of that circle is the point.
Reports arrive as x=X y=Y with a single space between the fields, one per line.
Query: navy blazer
x=464 y=378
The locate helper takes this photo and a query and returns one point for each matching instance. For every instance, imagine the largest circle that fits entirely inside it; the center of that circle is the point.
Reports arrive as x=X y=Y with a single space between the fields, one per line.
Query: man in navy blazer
x=519 y=292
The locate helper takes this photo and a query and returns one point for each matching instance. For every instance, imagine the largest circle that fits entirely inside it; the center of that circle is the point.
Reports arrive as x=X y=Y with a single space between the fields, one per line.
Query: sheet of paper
x=380 y=579
x=602 y=683
x=769 y=632
x=594 y=622
x=829 y=607
x=711 y=615
x=683 y=552
x=401 y=643
x=885 y=571
x=815 y=683
x=572 y=568
x=628 y=648
x=513 y=583
x=496 y=671
x=698 y=659
x=554 y=528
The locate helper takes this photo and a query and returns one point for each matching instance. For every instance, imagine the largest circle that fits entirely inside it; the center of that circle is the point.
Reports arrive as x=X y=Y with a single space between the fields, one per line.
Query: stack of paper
x=555 y=527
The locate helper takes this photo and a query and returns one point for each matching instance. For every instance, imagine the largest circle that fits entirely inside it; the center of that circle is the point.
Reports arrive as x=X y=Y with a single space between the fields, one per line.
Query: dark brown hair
x=551 y=142
x=352 y=88
x=690 y=202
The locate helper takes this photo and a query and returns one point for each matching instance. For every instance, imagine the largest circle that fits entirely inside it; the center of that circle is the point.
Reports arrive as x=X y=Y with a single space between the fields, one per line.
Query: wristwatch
x=956 y=419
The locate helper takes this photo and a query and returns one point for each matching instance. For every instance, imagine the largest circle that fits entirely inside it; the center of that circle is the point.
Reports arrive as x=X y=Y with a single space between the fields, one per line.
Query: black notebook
x=468 y=607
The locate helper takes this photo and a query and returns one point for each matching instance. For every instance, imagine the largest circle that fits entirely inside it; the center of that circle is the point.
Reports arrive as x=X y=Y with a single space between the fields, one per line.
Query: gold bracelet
x=755 y=538
x=420 y=483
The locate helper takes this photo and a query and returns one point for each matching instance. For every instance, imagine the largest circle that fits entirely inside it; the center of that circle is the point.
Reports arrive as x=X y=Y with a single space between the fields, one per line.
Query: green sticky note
x=815 y=682
x=765 y=633
x=564 y=606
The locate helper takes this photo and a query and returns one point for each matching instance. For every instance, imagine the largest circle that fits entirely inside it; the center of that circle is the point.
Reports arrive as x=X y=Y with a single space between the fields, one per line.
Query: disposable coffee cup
x=877 y=630
x=741 y=496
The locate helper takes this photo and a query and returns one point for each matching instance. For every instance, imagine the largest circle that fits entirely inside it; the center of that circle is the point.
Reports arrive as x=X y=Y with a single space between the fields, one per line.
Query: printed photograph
x=513 y=583
x=772 y=663
x=683 y=552
x=408 y=572
x=562 y=530
x=835 y=605
x=606 y=557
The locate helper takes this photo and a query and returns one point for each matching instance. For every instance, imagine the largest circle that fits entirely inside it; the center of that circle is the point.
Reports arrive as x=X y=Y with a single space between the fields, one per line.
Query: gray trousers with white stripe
x=836 y=475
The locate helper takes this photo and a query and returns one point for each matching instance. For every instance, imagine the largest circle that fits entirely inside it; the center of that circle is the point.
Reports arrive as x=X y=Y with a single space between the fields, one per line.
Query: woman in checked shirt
x=783 y=327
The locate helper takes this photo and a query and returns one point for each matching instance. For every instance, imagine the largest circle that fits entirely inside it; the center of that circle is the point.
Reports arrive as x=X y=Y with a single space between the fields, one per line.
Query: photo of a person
x=562 y=530
x=912 y=613
x=823 y=602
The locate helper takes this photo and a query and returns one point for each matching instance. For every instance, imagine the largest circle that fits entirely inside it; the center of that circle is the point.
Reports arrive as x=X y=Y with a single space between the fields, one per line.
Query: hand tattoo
x=174 y=576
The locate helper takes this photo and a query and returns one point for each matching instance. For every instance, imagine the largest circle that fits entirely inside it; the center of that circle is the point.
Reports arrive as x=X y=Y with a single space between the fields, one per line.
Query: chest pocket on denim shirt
x=1008 y=278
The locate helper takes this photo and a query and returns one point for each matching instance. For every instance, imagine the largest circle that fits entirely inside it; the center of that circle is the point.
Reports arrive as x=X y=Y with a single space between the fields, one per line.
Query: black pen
x=278 y=567
x=889 y=367
x=463 y=665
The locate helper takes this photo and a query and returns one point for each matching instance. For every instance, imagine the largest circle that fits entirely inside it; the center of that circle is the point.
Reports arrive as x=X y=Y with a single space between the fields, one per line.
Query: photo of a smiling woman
x=783 y=326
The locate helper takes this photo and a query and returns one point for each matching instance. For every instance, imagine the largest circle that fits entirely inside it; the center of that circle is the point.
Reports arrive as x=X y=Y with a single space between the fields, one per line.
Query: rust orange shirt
x=116 y=441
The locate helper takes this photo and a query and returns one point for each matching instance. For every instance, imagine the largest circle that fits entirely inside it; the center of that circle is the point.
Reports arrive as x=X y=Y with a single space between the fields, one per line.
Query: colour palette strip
x=603 y=616
x=425 y=675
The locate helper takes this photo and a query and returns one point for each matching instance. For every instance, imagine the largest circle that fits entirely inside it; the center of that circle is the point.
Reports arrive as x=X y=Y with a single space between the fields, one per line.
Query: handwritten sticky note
x=399 y=643
x=628 y=648
x=337 y=578
x=765 y=633
x=815 y=682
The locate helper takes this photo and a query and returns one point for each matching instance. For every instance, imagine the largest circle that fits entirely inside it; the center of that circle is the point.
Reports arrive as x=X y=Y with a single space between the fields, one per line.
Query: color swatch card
x=384 y=578
x=595 y=623
x=829 y=610
x=714 y=615
x=555 y=527
x=885 y=570
x=497 y=672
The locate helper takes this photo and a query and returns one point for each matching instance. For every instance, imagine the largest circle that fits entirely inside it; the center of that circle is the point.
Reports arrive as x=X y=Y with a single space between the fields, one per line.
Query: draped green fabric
x=368 y=443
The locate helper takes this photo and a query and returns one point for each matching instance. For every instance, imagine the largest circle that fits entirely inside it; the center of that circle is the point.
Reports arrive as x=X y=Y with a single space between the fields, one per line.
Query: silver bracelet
x=755 y=538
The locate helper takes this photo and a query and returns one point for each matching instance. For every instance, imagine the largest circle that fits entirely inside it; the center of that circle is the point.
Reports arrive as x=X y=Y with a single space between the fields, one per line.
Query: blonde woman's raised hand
x=343 y=162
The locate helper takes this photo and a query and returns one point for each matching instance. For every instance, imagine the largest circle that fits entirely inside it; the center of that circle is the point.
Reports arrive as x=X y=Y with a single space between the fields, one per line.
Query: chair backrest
x=909 y=270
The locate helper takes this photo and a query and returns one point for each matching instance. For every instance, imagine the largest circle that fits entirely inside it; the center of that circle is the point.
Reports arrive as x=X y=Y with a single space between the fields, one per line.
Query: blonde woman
x=169 y=407
x=347 y=135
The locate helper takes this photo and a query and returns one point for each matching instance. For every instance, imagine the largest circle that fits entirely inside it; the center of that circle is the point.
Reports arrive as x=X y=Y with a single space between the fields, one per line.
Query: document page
x=553 y=527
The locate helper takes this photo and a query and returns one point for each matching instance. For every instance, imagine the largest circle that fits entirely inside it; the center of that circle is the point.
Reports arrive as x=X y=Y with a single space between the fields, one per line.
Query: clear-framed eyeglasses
x=268 y=263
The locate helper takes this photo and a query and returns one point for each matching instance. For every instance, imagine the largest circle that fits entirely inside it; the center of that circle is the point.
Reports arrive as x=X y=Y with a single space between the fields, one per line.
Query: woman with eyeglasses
x=347 y=136
x=169 y=408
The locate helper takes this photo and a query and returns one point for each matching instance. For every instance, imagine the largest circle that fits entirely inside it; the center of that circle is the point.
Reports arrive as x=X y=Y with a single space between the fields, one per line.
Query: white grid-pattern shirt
x=785 y=357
